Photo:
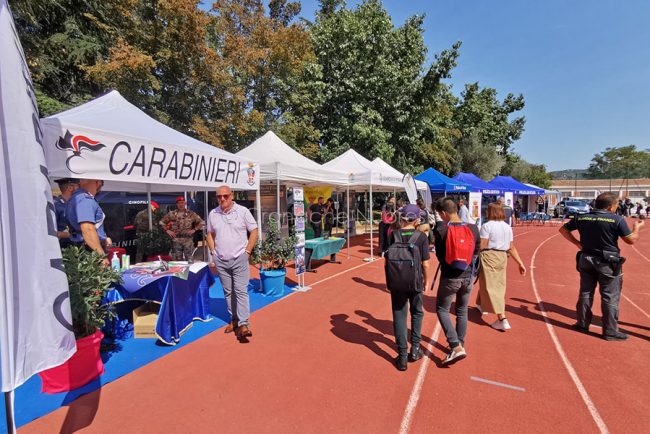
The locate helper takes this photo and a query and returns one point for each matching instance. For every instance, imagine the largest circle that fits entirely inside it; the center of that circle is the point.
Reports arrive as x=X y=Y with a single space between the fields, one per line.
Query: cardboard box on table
x=145 y=318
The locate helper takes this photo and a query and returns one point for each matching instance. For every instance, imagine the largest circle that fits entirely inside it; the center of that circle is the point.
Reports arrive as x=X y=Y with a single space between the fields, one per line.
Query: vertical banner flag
x=35 y=320
x=299 y=214
x=410 y=187
x=475 y=207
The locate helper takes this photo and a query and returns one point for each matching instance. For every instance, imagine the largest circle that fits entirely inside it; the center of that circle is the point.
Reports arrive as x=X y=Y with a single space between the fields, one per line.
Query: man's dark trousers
x=594 y=270
x=402 y=303
x=318 y=229
x=460 y=290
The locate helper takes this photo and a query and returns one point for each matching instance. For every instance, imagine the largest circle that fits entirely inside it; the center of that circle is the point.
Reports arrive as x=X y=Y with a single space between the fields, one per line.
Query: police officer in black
x=600 y=261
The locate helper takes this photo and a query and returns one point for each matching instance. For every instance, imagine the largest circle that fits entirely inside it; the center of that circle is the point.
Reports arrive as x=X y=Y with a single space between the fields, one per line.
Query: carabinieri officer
x=86 y=217
x=600 y=262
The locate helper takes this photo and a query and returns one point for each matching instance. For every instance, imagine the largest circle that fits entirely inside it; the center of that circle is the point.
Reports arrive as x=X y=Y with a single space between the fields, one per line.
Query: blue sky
x=583 y=66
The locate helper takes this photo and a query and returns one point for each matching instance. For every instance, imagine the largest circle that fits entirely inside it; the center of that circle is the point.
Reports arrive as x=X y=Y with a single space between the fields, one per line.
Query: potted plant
x=272 y=255
x=88 y=281
x=155 y=242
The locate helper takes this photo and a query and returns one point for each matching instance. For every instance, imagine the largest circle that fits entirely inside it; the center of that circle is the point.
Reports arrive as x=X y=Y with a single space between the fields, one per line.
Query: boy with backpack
x=407 y=274
x=457 y=248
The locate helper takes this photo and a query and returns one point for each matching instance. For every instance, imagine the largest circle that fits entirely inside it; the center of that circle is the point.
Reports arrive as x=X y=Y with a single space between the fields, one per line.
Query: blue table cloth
x=182 y=299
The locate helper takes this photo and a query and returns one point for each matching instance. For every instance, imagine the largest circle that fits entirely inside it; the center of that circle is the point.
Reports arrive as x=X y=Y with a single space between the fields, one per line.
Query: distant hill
x=569 y=174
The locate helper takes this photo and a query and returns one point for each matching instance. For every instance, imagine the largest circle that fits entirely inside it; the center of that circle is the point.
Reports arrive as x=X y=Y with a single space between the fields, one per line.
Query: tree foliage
x=350 y=79
x=524 y=171
x=620 y=162
x=378 y=96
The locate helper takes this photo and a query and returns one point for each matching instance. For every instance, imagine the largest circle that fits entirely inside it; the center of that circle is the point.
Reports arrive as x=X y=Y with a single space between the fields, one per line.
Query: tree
x=482 y=115
x=269 y=57
x=60 y=38
x=620 y=162
x=378 y=97
x=526 y=172
x=478 y=158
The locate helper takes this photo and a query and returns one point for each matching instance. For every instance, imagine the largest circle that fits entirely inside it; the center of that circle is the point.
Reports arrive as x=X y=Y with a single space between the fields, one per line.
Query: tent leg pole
x=258 y=205
x=277 y=192
x=372 y=256
x=149 y=207
x=347 y=223
x=9 y=412
x=205 y=227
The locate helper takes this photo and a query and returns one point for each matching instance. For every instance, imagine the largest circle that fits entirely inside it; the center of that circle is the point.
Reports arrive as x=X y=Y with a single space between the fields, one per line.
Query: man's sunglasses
x=223 y=196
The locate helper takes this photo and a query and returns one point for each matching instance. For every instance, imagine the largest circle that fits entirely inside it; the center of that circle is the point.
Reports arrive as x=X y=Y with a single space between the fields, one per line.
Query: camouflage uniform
x=181 y=222
x=141 y=224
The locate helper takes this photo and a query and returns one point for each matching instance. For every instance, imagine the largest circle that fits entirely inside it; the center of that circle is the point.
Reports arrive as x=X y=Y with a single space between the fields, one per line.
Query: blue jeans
x=460 y=289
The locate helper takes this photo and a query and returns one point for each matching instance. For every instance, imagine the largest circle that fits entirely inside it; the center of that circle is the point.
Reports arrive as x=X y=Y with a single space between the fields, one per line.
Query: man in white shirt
x=232 y=234
x=463 y=211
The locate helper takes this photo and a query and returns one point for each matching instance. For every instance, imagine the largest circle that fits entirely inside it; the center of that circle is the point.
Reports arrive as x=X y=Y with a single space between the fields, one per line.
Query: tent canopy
x=387 y=168
x=279 y=160
x=439 y=183
x=545 y=190
x=110 y=139
x=477 y=184
x=507 y=183
x=362 y=172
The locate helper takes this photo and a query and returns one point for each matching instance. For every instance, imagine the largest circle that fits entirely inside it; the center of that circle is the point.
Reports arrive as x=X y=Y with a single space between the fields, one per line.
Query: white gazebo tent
x=110 y=139
x=364 y=173
x=421 y=186
x=280 y=162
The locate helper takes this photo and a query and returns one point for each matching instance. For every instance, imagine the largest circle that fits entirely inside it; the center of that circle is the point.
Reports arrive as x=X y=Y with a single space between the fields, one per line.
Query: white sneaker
x=454 y=356
x=501 y=324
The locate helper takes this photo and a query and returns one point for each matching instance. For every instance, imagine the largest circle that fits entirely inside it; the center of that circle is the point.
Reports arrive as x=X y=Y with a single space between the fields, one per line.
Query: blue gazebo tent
x=507 y=183
x=439 y=183
x=477 y=184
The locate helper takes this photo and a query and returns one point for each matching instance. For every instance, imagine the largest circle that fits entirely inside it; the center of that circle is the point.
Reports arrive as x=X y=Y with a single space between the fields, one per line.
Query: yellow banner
x=313 y=193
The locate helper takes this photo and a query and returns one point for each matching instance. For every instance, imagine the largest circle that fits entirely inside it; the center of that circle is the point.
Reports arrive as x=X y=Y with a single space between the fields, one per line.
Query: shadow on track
x=524 y=311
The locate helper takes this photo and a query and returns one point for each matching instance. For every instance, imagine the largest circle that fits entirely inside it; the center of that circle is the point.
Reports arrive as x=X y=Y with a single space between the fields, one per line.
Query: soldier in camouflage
x=141 y=224
x=180 y=225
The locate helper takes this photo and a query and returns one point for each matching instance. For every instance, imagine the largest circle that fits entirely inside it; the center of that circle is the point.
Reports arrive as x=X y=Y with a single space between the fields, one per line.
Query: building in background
x=636 y=189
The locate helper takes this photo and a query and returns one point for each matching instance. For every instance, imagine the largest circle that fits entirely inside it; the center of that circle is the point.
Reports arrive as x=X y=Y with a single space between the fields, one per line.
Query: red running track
x=322 y=361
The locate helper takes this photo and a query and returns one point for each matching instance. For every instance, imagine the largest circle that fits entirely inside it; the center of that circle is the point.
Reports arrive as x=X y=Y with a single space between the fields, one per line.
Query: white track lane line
x=627 y=298
x=417 y=386
x=567 y=364
x=635 y=305
x=419 y=381
x=640 y=254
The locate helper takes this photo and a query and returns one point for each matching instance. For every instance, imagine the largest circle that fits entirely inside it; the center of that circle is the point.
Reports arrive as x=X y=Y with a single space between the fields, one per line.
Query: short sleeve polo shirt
x=599 y=231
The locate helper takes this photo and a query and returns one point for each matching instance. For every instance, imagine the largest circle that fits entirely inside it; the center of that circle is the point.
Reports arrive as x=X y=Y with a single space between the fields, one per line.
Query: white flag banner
x=410 y=187
x=35 y=321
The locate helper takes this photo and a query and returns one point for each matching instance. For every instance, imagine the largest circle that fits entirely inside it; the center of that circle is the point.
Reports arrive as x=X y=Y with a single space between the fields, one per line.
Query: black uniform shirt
x=599 y=231
x=317 y=212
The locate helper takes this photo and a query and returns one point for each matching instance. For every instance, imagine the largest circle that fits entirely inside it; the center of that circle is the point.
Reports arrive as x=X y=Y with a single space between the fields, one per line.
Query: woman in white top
x=496 y=244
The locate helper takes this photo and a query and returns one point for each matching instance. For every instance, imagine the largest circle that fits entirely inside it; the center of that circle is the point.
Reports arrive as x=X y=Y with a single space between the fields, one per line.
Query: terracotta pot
x=84 y=366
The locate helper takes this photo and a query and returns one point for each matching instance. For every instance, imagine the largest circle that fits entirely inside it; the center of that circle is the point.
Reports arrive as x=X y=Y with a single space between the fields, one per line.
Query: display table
x=183 y=292
x=318 y=248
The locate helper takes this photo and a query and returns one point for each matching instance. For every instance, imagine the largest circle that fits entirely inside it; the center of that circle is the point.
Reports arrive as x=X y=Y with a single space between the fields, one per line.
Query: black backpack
x=403 y=264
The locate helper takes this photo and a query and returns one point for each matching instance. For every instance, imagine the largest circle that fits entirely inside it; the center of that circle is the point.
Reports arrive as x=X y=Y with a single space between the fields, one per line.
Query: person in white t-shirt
x=496 y=245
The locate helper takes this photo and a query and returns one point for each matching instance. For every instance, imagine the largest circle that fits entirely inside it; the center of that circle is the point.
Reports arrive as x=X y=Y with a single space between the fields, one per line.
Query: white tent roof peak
x=125 y=119
x=280 y=161
x=111 y=139
x=351 y=162
x=271 y=148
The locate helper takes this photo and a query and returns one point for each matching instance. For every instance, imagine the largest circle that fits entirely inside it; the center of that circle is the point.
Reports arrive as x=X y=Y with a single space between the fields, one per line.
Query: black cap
x=63 y=181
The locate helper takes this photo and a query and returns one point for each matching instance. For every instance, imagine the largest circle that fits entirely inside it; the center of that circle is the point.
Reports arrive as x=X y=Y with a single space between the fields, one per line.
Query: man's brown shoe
x=244 y=332
x=230 y=327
